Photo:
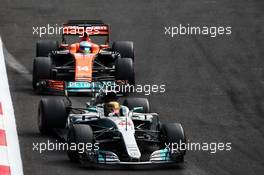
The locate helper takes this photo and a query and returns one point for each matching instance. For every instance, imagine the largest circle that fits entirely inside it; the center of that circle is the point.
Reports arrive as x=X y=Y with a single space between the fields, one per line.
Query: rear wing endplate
x=91 y=27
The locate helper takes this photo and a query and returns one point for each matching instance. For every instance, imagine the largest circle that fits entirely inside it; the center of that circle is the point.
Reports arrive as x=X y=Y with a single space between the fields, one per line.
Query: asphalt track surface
x=214 y=86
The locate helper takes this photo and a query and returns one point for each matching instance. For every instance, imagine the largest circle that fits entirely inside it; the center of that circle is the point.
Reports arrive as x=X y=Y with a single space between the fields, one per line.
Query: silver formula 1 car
x=134 y=136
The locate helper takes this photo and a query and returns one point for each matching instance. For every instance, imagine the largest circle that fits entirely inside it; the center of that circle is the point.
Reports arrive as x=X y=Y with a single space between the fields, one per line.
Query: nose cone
x=133 y=152
x=131 y=144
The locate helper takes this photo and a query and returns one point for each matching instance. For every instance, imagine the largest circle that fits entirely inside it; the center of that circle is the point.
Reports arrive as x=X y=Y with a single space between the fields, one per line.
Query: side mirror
x=137 y=109
x=104 y=46
x=88 y=104
x=92 y=109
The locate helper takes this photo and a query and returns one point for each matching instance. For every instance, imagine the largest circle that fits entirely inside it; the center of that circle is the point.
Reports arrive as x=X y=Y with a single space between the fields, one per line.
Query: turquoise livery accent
x=160 y=155
x=80 y=86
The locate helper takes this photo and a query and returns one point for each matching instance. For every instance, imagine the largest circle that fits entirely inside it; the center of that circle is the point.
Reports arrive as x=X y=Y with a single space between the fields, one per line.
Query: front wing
x=56 y=86
x=107 y=157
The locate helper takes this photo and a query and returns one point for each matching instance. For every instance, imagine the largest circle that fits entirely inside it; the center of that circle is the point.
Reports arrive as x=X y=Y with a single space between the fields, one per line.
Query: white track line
x=9 y=123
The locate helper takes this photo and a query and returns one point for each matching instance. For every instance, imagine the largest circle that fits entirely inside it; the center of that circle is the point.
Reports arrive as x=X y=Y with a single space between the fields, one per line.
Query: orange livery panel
x=83 y=66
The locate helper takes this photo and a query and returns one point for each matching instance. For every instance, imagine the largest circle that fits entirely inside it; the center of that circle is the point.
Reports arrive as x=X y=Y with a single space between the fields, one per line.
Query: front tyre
x=79 y=134
x=124 y=70
x=41 y=70
x=52 y=113
x=173 y=133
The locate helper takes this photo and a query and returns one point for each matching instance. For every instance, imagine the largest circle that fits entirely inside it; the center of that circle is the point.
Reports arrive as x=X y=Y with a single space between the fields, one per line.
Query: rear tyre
x=125 y=70
x=52 y=113
x=44 y=47
x=41 y=70
x=79 y=133
x=137 y=102
x=125 y=48
x=174 y=133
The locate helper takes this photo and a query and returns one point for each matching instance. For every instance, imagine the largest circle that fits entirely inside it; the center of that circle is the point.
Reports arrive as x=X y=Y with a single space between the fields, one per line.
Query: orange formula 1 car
x=82 y=65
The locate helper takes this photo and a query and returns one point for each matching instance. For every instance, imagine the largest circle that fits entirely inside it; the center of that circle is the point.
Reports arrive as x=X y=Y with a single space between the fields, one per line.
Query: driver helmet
x=85 y=47
x=109 y=96
x=112 y=107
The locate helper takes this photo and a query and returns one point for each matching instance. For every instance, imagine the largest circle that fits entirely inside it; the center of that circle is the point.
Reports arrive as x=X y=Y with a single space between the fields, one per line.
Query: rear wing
x=90 y=27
